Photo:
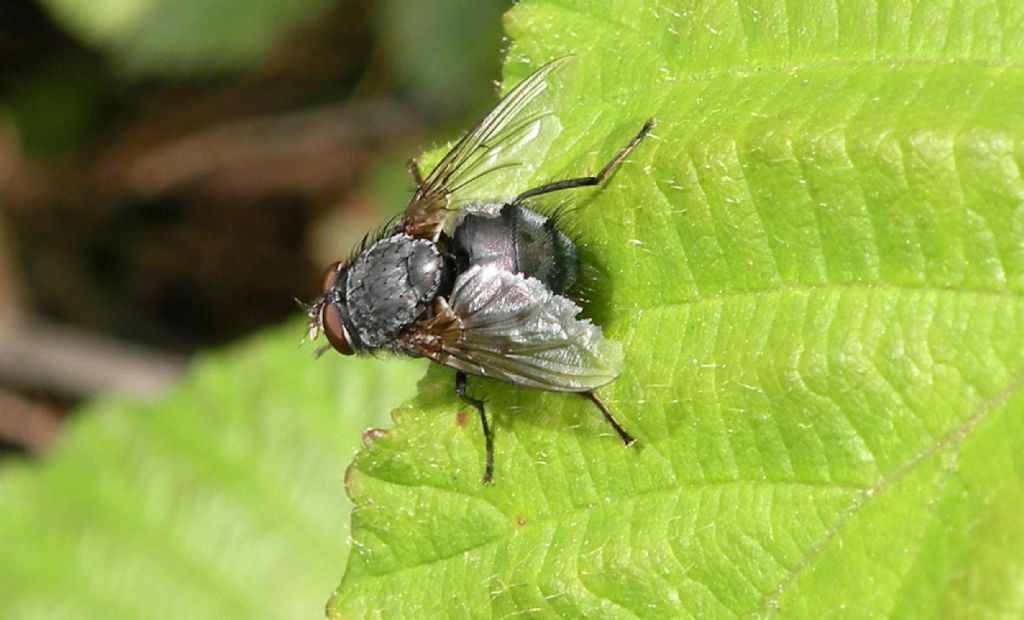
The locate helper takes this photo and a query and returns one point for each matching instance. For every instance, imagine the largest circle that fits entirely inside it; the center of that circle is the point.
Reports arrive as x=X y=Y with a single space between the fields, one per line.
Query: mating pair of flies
x=484 y=287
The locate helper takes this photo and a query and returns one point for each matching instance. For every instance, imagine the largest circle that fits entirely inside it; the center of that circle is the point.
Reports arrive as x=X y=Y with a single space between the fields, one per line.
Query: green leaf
x=816 y=267
x=222 y=500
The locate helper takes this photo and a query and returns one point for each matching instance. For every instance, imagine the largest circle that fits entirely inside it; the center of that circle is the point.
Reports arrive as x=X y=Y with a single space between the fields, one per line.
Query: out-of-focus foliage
x=55 y=108
x=176 y=118
x=225 y=499
x=443 y=49
x=182 y=37
x=438 y=48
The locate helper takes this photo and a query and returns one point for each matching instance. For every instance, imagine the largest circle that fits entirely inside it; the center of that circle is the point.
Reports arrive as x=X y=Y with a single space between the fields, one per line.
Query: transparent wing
x=513 y=120
x=512 y=328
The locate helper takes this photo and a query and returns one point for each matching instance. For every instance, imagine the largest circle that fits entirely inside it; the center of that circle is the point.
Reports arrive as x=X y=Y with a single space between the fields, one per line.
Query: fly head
x=381 y=293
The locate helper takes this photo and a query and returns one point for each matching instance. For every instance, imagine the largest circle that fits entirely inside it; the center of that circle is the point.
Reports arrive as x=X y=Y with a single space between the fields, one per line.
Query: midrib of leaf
x=858 y=499
x=953 y=440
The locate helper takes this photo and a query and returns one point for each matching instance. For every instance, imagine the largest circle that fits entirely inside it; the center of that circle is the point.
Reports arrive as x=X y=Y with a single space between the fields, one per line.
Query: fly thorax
x=390 y=285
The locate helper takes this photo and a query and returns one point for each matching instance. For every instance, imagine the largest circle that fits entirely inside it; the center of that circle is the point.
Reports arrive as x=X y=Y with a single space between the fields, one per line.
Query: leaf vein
x=955 y=438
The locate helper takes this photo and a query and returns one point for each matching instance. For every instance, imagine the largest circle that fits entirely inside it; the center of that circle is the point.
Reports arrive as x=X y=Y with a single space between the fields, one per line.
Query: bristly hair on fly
x=372 y=236
x=593 y=282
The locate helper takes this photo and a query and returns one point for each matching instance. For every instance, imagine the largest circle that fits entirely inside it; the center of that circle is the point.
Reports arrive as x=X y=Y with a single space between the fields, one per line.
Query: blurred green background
x=173 y=173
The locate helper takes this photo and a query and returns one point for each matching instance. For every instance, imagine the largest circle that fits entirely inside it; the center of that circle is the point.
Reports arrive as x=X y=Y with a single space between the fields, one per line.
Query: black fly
x=481 y=287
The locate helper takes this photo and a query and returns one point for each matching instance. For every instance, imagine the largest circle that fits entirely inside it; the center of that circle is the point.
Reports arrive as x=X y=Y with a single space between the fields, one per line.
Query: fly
x=481 y=287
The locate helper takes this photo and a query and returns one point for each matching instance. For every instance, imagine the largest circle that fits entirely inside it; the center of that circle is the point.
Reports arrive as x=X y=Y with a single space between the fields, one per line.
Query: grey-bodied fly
x=481 y=286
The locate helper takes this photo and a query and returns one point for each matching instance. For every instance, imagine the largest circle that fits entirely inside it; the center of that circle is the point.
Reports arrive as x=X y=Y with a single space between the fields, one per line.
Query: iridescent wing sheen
x=478 y=153
x=512 y=328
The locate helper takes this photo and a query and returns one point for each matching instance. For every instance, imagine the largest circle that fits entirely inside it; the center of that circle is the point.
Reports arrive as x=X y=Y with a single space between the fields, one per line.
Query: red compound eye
x=329 y=278
x=330 y=318
x=335 y=330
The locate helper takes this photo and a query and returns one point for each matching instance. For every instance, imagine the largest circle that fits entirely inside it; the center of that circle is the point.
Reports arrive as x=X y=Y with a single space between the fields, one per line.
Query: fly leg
x=627 y=439
x=460 y=391
x=590 y=180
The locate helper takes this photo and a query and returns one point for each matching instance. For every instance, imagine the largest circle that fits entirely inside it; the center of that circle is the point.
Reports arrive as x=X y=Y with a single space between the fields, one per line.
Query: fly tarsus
x=627 y=439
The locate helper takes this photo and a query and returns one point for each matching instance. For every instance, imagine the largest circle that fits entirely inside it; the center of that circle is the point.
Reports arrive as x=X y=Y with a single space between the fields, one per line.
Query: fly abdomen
x=519 y=240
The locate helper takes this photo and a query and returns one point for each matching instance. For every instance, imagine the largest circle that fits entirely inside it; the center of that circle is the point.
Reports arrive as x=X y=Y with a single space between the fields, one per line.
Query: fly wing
x=512 y=328
x=479 y=152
